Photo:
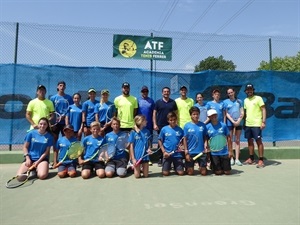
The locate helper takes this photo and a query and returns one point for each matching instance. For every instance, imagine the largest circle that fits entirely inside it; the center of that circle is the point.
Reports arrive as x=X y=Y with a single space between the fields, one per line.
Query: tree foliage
x=288 y=63
x=213 y=63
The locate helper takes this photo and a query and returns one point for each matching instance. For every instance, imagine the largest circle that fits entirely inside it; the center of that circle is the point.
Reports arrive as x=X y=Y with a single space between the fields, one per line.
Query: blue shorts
x=67 y=167
x=253 y=133
x=202 y=160
x=118 y=166
x=177 y=163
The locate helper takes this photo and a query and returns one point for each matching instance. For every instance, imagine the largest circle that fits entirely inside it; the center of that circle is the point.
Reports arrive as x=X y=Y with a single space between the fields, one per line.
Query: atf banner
x=141 y=47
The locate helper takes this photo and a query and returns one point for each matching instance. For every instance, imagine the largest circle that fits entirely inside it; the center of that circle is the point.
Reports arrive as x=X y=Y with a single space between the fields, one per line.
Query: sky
x=224 y=17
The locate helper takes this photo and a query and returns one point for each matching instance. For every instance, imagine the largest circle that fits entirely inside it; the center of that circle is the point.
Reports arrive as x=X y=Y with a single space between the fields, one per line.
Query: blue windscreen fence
x=280 y=91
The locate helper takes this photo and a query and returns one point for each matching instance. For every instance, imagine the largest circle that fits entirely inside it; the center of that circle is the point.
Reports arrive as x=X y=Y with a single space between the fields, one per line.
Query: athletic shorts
x=177 y=163
x=220 y=162
x=201 y=161
x=253 y=133
x=236 y=128
x=58 y=128
x=93 y=165
x=118 y=166
x=67 y=167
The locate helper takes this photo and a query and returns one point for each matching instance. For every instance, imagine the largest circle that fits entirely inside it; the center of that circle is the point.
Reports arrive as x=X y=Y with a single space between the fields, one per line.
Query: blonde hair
x=139 y=119
x=95 y=124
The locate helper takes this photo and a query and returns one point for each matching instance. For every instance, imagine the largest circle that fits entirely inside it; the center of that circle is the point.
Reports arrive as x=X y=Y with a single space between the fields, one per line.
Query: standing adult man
x=255 y=122
x=126 y=107
x=39 y=107
x=146 y=107
x=183 y=105
x=161 y=109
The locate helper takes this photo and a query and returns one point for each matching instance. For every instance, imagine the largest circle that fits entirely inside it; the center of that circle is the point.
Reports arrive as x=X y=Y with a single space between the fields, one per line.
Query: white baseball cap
x=211 y=112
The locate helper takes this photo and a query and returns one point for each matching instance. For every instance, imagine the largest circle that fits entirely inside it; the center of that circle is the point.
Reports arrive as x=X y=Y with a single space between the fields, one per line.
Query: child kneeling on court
x=169 y=138
x=90 y=158
x=139 y=146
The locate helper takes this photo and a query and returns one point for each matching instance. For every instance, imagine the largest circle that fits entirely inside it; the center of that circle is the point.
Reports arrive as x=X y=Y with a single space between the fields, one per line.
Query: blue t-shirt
x=63 y=145
x=75 y=116
x=233 y=109
x=200 y=131
x=111 y=139
x=213 y=130
x=203 y=112
x=91 y=146
x=140 y=141
x=89 y=108
x=61 y=104
x=170 y=137
x=146 y=107
x=219 y=107
x=105 y=111
x=38 y=144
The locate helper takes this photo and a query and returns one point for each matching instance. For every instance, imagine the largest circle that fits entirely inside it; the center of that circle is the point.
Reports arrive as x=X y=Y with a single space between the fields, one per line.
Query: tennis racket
x=73 y=152
x=235 y=115
x=61 y=109
x=106 y=152
x=19 y=179
x=143 y=154
x=122 y=142
x=54 y=119
x=179 y=147
x=110 y=112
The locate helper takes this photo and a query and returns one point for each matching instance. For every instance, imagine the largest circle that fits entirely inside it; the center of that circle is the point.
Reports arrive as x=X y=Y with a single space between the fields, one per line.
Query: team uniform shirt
x=105 y=111
x=140 y=143
x=59 y=107
x=219 y=107
x=75 y=116
x=125 y=107
x=213 y=130
x=63 y=145
x=162 y=109
x=91 y=146
x=39 y=108
x=38 y=144
x=146 y=107
x=231 y=107
x=203 y=112
x=200 y=131
x=170 y=137
x=89 y=108
x=111 y=139
x=183 y=106
x=253 y=109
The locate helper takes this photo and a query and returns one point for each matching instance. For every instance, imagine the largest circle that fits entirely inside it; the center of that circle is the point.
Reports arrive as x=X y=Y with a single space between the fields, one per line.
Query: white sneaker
x=238 y=162
x=232 y=161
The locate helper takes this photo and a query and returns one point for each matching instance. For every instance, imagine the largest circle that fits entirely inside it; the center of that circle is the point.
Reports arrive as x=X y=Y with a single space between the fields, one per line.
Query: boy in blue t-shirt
x=168 y=140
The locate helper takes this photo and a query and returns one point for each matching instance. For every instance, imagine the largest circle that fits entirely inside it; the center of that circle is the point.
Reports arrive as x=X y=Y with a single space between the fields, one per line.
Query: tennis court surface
x=250 y=196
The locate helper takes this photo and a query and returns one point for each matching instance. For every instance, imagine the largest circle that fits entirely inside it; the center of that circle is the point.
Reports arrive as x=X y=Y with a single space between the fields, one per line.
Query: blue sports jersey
x=200 y=131
x=231 y=107
x=63 y=145
x=75 y=116
x=111 y=139
x=59 y=104
x=203 y=112
x=219 y=107
x=140 y=143
x=146 y=107
x=38 y=144
x=89 y=108
x=213 y=130
x=91 y=146
x=170 y=138
x=101 y=110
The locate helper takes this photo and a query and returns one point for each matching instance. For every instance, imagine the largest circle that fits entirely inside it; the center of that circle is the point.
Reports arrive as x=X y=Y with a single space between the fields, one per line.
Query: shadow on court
x=248 y=196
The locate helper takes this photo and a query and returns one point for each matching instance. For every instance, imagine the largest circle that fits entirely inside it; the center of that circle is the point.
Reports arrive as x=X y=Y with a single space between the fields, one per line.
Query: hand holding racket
x=191 y=143
x=61 y=109
x=74 y=151
x=19 y=179
x=179 y=148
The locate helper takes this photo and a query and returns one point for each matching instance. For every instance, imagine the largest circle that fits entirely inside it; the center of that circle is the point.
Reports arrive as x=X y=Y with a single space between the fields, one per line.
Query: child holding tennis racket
x=139 y=146
x=117 y=164
x=219 y=136
x=90 y=159
x=170 y=137
x=195 y=134
x=36 y=149
x=68 y=166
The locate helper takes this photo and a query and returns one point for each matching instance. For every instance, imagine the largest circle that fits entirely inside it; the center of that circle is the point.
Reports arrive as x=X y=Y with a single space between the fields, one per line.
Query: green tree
x=288 y=63
x=213 y=63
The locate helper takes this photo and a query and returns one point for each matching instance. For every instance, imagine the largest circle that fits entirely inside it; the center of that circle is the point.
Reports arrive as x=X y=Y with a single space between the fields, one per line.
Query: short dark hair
x=194 y=109
x=171 y=115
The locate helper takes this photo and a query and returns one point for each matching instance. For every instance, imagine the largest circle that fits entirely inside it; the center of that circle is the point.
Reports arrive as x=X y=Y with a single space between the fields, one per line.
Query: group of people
x=102 y=122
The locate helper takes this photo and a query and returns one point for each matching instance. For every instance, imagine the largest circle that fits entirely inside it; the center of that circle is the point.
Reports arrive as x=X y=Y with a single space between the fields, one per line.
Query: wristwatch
x=27 y=154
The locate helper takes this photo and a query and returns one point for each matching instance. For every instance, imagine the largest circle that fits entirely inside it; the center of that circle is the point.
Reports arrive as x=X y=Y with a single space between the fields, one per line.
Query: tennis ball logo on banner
x=127 y=48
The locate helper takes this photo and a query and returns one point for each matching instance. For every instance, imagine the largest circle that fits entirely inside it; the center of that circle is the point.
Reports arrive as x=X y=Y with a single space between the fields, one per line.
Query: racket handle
x=137 y=163
x=197 y=156
x=57 y=165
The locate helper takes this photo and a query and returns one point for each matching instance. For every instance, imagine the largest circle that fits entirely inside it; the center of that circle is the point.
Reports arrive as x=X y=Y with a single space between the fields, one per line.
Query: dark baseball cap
x=40 y=87
x=183 y=87
x=125 y=84
x=69 y=126
x=249 y=86
x=104 y=91
x=144 y=88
